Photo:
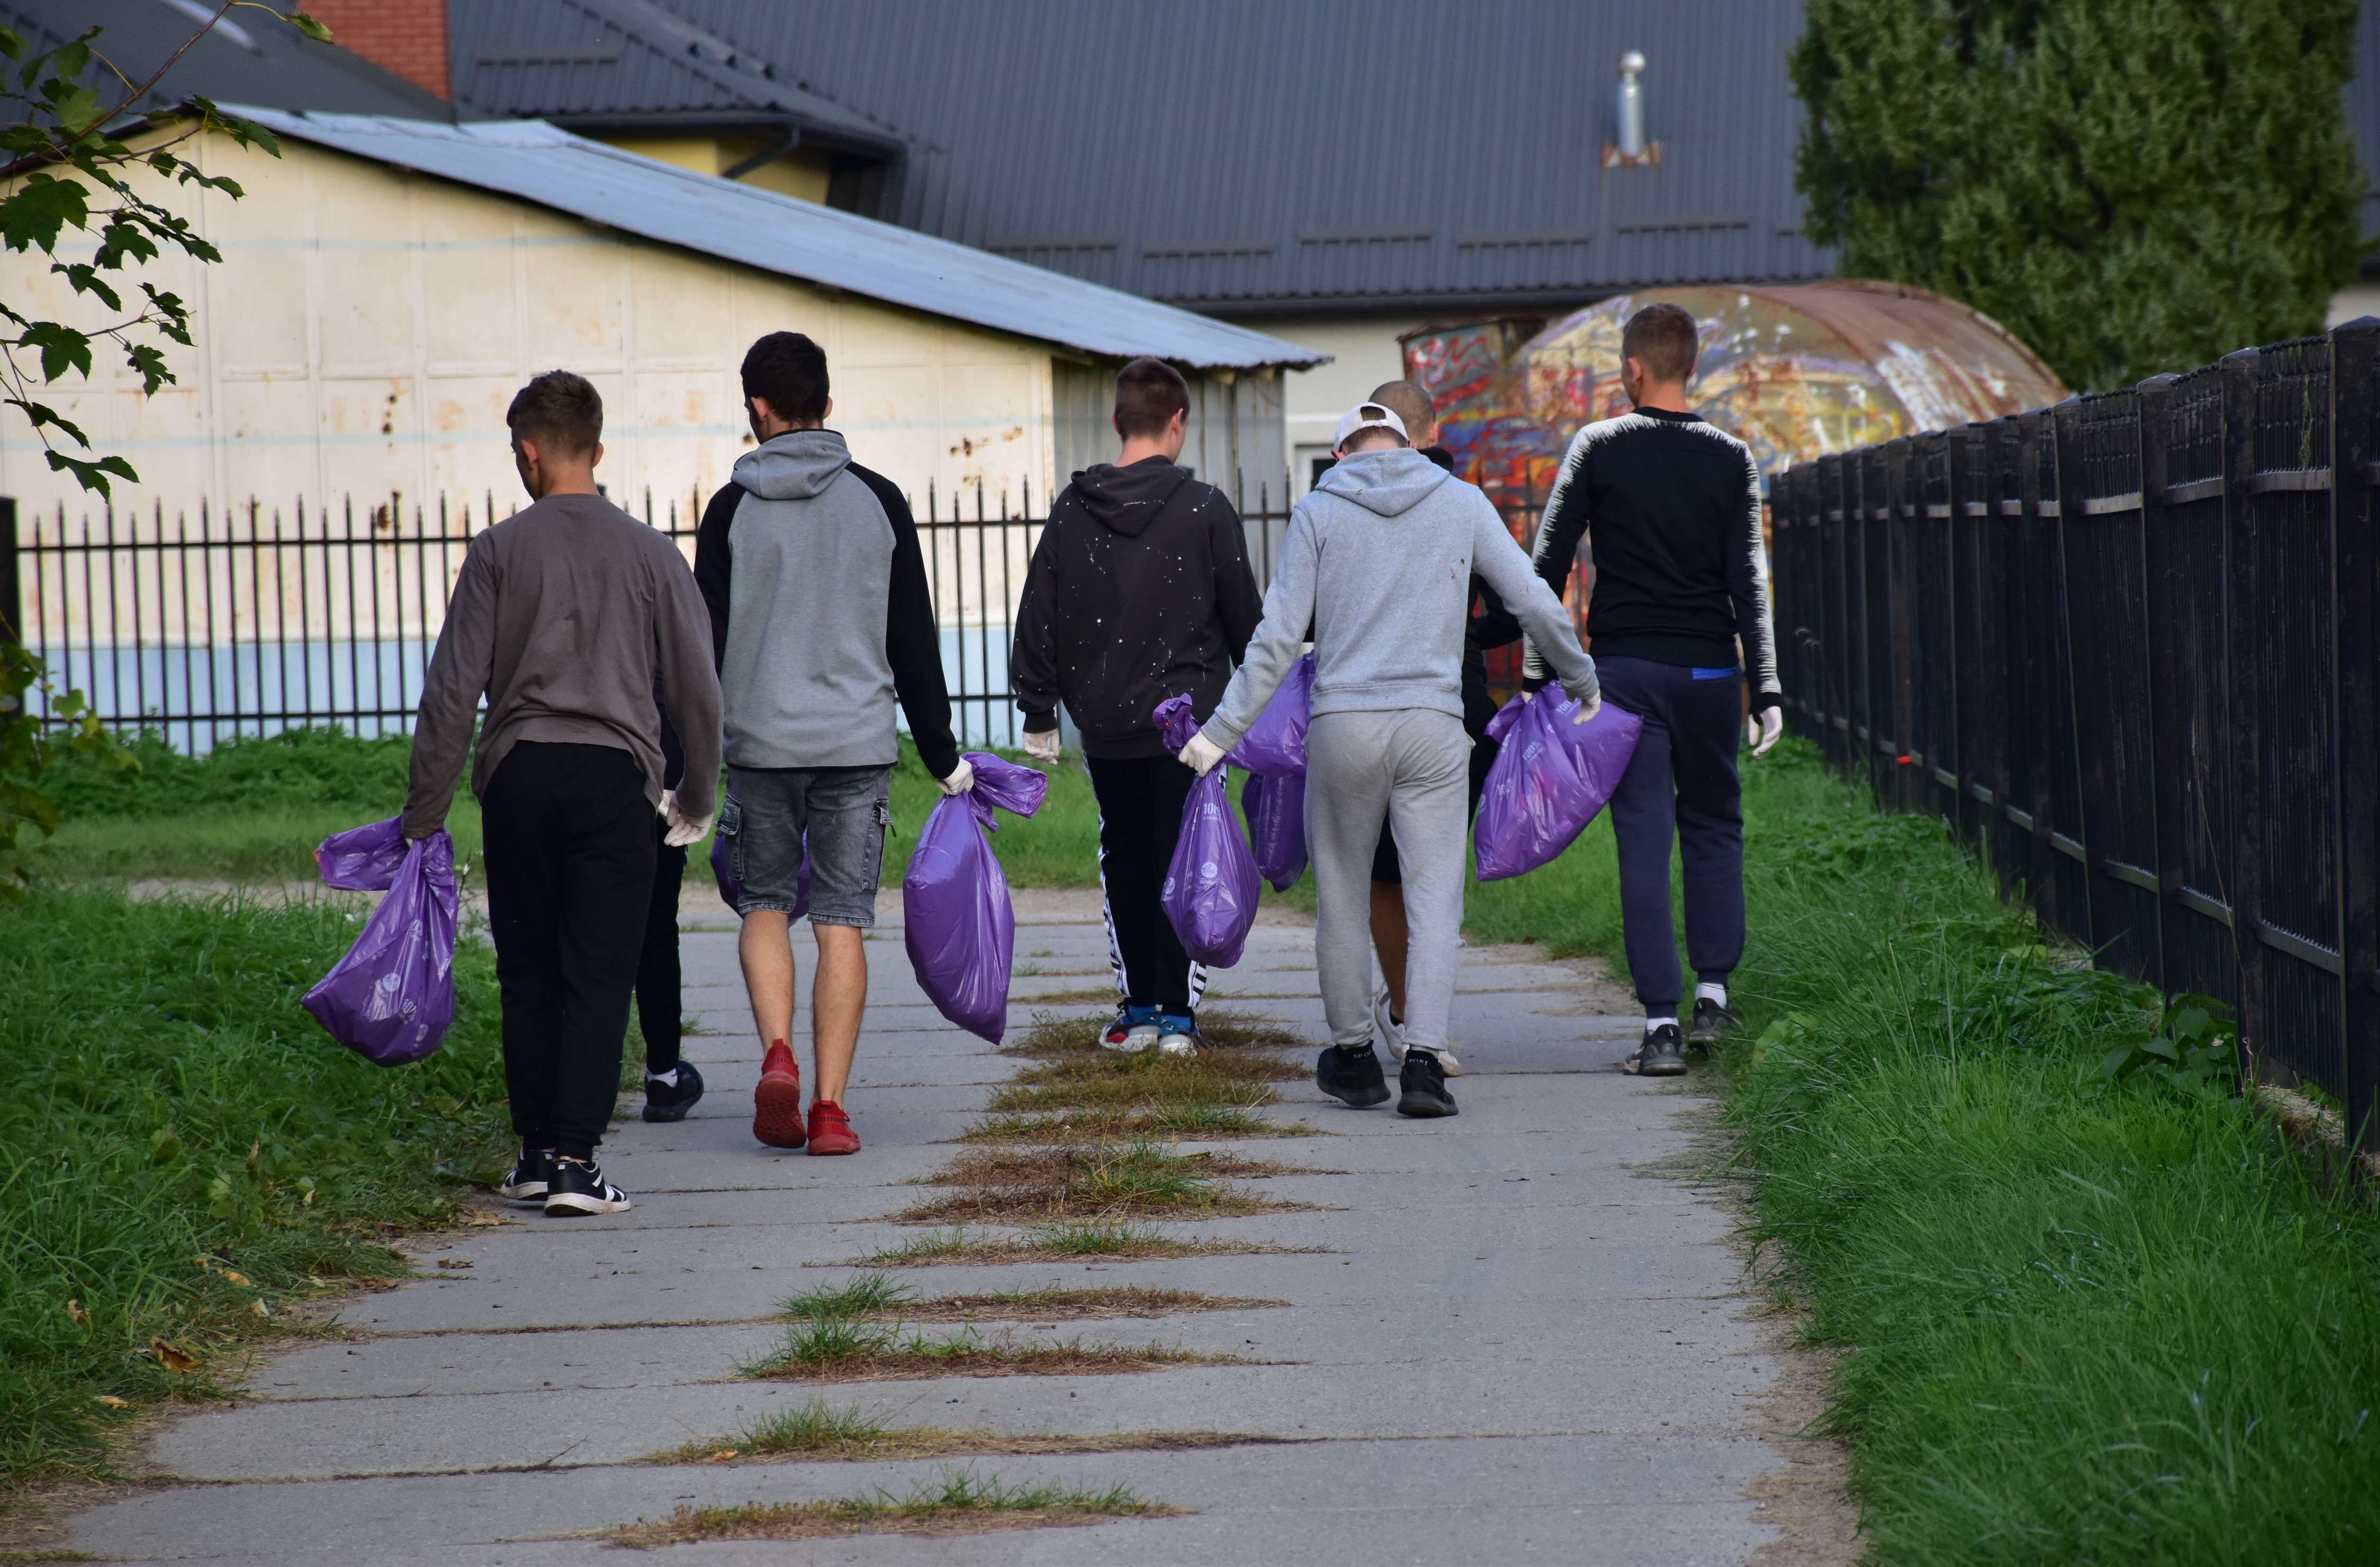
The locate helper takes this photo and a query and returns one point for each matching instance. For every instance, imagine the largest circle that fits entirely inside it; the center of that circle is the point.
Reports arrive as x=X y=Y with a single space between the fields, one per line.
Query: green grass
x=180 y=1142
x=2080 y=1321
x=253 y=809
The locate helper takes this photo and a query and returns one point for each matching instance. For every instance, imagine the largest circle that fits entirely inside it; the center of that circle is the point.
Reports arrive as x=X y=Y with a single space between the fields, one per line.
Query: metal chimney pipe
x=1630 y=108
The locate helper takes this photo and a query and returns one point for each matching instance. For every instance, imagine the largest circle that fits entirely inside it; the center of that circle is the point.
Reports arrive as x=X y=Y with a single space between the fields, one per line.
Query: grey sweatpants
x=1410 y=766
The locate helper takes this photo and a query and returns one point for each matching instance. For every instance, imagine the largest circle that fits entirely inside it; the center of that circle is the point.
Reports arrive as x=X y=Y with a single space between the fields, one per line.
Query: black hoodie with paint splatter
x=1140 y=590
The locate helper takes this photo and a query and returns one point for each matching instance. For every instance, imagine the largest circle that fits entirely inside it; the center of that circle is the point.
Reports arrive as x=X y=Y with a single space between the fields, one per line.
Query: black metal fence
x=2129 y=648
x=203 y=627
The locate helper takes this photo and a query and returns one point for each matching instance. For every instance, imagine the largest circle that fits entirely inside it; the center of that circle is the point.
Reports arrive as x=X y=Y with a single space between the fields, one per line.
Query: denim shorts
x=840 y=812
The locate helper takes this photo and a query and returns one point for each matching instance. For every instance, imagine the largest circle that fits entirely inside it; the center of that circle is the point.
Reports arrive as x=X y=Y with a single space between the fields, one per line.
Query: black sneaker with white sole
x=1659 y=1056
x=530 y=1172
x=579 y=1188
x=1353 y=1076
x=1423 y=1083
x=664 y=1102
x=1713 y=1021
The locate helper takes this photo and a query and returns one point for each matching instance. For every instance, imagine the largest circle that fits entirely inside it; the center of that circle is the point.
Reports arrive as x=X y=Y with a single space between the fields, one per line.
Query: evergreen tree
x=2129 y=186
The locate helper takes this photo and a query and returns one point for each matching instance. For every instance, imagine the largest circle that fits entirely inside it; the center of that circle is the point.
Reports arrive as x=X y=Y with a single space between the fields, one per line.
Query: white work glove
x=1043 y=746
x=683 y=829
x=1201 y=755
x=1588 y=705
x=1762 y=729
x=961 y=779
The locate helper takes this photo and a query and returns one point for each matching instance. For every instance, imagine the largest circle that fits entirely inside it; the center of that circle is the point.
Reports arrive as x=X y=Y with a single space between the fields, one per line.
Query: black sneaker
x=529 y=1175
x=1353 y=1076
x=665 y=1103
x=1424 y=1082
x=579 y=1188
x=1713 y=1021
x=1659 y=1056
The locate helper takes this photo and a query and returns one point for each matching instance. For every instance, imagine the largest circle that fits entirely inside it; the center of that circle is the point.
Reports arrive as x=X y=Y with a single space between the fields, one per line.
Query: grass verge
x=184 y=1152
x=957 y=1504
x=817 y=1431
x=1105 y=1182
x=1058 y=1242
x=2081 y=1319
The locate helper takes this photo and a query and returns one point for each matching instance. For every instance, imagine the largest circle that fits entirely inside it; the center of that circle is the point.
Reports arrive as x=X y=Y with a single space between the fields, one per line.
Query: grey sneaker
x=1386 y=1028
x=1659 y=1056
x=1712 y=1022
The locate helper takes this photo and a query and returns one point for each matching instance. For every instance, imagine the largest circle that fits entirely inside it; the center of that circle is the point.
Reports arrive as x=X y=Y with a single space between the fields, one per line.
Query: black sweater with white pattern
x=1670 y=507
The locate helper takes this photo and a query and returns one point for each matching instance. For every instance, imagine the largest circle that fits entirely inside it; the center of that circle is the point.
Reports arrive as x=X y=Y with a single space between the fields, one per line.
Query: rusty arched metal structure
x=1795 y=370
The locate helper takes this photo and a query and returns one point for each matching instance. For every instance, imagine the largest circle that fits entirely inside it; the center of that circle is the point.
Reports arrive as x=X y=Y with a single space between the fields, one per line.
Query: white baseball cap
x=1368 y=416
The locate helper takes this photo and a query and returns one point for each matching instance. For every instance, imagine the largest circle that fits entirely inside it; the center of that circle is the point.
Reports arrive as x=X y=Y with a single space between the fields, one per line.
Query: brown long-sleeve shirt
x=568 y=616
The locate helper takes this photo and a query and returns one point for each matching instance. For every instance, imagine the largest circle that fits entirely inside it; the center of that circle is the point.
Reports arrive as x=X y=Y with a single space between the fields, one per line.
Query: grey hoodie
x=1379 y=561
x=819 y=612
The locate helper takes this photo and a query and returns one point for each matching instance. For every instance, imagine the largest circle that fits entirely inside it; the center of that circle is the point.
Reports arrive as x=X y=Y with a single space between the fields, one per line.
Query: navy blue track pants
x=1681 y=785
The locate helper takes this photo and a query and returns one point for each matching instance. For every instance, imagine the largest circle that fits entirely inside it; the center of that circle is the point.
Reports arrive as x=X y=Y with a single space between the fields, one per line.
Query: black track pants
x=1681 y=785
x=569 y=852
x=1140 y=820
x=658 y=979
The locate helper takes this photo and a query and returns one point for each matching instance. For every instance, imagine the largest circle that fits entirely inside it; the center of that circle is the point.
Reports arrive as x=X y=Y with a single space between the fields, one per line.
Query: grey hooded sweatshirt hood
x=795 y=466
x=819 y=610
x=1379 y=561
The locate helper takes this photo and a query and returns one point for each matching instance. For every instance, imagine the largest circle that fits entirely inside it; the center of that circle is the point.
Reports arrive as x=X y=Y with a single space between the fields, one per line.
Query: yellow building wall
x=366 y=327
x=799 y=174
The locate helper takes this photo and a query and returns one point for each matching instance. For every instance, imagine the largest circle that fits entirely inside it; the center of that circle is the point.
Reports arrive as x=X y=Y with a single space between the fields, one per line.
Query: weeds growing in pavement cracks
x=854 y=1330
x=1074 y=1241
x=1107 y=1182
x=184 y=1153
x=958 y=1503
x=874 y=1295
x=820 y=1431
x=1227 y=1030
x=1077 y=1091
x=2093 y=1306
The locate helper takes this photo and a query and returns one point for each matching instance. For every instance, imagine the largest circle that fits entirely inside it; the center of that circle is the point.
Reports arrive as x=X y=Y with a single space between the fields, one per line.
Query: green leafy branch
x=67 y=163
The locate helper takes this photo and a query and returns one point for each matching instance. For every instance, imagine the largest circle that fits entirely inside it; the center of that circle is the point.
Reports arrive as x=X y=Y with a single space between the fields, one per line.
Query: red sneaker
x=831 y=1129
x=777 y=1103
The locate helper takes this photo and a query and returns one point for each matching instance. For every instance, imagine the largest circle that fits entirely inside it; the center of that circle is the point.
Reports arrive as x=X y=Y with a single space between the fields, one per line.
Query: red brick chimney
x=406 y=37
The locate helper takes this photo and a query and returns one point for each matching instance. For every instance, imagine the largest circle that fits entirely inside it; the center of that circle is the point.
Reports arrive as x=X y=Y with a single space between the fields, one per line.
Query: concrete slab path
x=1510 y=1337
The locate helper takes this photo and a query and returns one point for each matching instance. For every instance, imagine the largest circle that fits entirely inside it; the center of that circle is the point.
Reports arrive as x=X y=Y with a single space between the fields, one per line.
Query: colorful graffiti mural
x=1795 y=371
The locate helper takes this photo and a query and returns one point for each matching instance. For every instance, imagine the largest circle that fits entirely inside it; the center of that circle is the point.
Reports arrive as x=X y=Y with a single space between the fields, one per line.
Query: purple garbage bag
x=1548 y=782
x=731 y=891
x=957 y=922
x=363 y=859
x=1211 y=887
x=1275 y=743
x=391 y=998
x=1276 y=812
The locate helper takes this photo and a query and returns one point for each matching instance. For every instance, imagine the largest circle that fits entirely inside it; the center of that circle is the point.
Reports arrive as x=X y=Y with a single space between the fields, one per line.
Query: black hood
x=1126 y=500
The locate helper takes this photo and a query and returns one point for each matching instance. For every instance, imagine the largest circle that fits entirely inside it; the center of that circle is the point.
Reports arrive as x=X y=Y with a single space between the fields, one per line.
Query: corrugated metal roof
x=532 y=160
x=1242 y=155
x=247 y=56
x=595 y=59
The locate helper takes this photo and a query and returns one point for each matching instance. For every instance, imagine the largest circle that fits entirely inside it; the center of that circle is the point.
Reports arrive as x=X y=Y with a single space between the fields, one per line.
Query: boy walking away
x=1486 y=625
x=1379 y=561
x=1674 y=508
x=568 y=616
x=672 y=1084
x=821 y=619
x=1140 y=590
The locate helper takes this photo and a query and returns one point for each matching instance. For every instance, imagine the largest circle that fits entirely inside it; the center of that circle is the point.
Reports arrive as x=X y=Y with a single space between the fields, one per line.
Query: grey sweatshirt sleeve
x=681 y=633
x=459 y=672
x=1498 y=561
x=1280 y=638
